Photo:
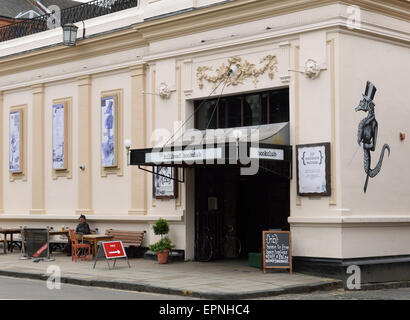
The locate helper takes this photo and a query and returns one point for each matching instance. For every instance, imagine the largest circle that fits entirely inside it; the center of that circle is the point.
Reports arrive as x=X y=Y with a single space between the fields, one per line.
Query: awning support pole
x=180 y=181
x=276 y=173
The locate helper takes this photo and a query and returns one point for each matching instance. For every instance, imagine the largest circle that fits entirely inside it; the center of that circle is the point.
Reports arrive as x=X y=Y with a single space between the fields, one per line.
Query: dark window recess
x=230 y=114
x=243 y=110
x=255 y=109
x=279 y=106
x=204 y=115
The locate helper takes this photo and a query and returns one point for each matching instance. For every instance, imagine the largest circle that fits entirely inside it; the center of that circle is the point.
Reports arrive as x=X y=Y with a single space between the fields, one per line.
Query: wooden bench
x=128 y=238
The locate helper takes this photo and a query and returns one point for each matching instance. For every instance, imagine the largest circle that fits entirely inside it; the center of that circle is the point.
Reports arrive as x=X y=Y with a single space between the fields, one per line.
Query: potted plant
x=164 y=245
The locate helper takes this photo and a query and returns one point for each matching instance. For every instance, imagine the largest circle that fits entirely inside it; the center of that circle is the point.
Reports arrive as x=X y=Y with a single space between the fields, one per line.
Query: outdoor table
x=65 y=233
x=59 y=233
x=95 y=238
x=10 y=232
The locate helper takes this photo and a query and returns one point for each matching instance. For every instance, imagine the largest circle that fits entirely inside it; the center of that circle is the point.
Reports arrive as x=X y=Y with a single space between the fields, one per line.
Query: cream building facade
x=134 y=53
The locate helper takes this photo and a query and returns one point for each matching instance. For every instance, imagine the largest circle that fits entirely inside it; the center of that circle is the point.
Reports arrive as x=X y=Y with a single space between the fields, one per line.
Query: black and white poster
x=165 y=184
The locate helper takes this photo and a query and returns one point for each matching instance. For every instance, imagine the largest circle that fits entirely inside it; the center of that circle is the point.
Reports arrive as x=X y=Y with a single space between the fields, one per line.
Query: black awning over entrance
x=230 y=154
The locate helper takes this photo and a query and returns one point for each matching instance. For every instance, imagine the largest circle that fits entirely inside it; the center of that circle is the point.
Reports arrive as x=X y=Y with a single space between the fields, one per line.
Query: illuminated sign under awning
x=268 y=154
x=238 y=154
x=169 y=157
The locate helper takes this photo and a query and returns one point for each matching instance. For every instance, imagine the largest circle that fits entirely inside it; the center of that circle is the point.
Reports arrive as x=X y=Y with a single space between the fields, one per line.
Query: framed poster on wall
x=61 y=151
x=313 y=169
x=15 y=143
x=59 y=137
x=109 y=131
x=165 y=183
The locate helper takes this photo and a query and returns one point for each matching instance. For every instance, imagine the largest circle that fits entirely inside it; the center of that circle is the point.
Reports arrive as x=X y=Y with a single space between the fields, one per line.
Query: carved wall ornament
x=164 y=91
x=236 y=71
x=312 y=69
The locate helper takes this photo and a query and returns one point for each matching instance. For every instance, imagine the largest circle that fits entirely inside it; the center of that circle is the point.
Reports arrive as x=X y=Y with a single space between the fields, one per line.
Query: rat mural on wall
x=367 y=133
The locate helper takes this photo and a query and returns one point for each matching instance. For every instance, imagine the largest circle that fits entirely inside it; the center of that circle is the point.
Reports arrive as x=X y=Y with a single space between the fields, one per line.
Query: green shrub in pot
x=164 y=244
x=161 y=227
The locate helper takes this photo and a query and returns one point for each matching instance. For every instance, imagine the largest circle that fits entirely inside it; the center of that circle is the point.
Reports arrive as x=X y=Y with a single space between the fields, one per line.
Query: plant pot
x=163 y=256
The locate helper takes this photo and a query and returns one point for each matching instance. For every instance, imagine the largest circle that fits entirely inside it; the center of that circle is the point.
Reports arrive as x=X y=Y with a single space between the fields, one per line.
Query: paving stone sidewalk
x=211 y=280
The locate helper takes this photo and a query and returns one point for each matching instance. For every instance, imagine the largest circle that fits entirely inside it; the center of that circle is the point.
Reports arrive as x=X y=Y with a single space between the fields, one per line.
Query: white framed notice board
x=313 y=169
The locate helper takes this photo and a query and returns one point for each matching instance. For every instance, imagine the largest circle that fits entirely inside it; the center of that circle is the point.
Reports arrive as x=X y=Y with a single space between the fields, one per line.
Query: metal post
x=48 y=258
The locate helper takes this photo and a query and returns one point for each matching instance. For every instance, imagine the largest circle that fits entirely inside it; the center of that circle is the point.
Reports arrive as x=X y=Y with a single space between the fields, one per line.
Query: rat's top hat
x=370 y=91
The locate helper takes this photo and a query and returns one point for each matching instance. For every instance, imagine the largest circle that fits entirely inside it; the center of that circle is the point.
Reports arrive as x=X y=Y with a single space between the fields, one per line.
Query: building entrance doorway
x=233 y=210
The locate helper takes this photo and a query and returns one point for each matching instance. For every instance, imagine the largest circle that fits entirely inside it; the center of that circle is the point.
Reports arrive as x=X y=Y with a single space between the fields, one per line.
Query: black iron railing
x=74 y=14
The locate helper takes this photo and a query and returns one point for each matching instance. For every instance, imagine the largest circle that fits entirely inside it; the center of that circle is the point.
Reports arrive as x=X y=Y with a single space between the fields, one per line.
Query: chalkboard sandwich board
x=276 y=250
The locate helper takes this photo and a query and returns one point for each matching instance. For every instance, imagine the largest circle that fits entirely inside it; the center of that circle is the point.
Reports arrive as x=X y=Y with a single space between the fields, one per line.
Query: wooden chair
x=80 y=251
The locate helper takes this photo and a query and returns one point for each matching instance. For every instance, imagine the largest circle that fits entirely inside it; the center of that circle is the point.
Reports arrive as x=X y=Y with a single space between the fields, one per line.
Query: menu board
x=277 y=250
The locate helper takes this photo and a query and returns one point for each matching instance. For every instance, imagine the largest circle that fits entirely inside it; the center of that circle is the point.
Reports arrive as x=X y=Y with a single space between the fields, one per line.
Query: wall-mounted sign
x=269 y=154
x=313 y=169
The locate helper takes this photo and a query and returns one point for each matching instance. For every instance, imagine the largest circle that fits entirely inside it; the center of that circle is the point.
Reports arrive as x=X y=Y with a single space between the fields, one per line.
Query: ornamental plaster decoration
x=237 y=71
x=312 y=69
x=164 y=91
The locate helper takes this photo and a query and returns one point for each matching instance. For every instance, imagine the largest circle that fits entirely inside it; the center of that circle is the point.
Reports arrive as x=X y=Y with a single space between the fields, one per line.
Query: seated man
x=83 y=227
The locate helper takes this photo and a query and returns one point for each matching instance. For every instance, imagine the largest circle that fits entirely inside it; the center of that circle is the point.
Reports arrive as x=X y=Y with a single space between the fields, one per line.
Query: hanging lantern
x=69 y=34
